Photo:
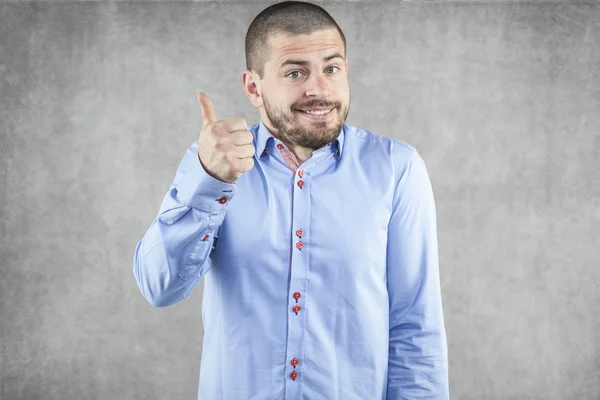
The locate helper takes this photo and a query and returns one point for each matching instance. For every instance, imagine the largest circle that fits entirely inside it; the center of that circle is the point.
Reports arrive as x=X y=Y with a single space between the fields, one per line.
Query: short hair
x=289 y=17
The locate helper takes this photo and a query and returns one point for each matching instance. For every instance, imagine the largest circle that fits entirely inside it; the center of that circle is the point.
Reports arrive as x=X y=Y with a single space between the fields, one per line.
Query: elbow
x=153 y=293
x=158 y=301
x=155 y=298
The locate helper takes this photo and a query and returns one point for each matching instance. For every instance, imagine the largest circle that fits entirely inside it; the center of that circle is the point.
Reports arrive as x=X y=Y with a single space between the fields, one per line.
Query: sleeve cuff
x=200 y=190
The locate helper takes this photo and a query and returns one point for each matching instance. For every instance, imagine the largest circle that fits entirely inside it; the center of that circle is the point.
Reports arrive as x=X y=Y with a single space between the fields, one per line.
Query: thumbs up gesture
x=225 y=146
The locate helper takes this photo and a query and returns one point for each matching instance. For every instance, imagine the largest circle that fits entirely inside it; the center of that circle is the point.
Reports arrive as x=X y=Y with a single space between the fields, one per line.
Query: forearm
x=174 y=253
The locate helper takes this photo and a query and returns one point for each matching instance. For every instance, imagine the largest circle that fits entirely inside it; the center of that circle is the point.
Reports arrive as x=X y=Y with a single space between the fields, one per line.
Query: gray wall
x=98 y=106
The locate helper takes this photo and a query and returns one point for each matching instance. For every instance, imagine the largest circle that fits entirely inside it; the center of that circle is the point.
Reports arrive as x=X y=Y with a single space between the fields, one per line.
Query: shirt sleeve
x=174 y=253
x=417 y=366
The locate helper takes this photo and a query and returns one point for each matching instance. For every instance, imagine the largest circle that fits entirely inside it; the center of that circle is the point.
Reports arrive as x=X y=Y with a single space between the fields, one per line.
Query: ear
x=251 y=86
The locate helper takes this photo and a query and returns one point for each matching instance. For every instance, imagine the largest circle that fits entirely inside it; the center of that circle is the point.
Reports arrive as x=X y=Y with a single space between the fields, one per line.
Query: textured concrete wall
x=98 y=105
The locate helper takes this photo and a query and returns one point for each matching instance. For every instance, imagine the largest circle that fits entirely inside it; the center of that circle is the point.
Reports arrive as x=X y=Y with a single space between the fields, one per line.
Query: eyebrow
x=301 y=62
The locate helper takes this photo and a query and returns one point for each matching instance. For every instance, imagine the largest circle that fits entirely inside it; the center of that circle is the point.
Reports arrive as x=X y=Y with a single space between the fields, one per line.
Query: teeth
x=317 y=112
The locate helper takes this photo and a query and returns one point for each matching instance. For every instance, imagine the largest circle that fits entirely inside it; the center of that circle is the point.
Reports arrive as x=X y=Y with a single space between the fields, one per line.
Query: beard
x=291 y=128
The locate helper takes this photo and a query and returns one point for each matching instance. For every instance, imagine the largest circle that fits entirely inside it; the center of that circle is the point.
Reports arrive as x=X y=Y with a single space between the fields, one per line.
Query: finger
x=245 y=151
x=233 y=124
x=240 y=138
x=208 y=111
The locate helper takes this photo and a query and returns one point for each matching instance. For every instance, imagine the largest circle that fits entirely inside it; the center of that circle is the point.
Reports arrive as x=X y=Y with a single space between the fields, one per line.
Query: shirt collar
x=263 y=137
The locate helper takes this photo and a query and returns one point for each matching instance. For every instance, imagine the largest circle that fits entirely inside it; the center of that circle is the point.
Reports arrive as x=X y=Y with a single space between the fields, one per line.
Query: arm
x=418 y=359
x=173 y=255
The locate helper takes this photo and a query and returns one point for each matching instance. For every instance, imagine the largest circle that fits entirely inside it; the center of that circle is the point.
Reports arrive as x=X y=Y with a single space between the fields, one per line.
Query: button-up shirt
x=321 y=279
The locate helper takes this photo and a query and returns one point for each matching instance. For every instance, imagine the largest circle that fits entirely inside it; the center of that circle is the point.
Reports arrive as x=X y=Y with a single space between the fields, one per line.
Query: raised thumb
x=208 y=111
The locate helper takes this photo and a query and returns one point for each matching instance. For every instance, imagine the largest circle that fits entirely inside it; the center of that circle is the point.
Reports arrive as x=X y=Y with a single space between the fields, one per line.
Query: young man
x=324 y=283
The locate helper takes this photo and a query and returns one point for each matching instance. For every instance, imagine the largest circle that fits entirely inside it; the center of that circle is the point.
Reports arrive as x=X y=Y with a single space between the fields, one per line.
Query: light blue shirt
x=354 y=312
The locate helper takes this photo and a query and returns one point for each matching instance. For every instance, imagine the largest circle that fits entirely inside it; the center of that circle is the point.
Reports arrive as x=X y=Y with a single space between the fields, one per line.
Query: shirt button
x=299 y=232
x=223 y=200
x=296 y=308
x=205 y=237
x=300 y=183
x=294 y=361
x=301 y=173
x=297 y=295
x=299 y=245
x=265 y=152
x=294 y=375
x=279 y=146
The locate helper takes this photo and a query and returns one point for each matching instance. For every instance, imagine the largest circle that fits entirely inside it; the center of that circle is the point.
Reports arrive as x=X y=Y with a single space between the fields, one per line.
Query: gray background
x=98 y=106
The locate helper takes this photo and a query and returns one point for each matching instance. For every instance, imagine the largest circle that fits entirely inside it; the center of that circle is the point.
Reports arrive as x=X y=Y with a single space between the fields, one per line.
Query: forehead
x=304 y=47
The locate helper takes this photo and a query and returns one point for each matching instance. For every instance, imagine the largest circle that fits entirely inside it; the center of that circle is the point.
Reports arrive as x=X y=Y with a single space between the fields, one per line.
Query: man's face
x=286 y=88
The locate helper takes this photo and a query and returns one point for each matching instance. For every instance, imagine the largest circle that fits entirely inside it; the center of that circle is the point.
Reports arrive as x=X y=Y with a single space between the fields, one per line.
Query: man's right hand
x=225 y=146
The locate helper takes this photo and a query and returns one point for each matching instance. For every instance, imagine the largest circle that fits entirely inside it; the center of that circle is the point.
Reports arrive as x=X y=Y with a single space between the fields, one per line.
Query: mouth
x=319 y=116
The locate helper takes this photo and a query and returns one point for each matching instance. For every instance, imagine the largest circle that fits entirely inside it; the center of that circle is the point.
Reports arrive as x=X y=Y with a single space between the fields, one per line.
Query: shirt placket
x=298 y=276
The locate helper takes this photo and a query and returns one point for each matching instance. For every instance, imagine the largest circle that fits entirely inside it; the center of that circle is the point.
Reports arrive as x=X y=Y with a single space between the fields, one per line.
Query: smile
x=317 y=116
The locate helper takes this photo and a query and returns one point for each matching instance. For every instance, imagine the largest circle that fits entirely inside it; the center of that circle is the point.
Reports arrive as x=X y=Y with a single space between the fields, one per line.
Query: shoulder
x=379 y=146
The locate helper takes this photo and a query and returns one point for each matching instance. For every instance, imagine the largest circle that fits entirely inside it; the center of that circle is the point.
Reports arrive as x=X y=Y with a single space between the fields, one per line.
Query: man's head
x=304 y=32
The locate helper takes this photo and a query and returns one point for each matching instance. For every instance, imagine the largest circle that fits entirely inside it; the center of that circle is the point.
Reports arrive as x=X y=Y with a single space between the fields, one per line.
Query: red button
x=294 y=375
x=205 y=237
x=300 y=183
x=294 y=361
x=296 y=308
x=301 y=173
x=266 y=151
x=223 y=200
x=297 y=295
x=299 y=232
x=279 y=146
x=299 y=245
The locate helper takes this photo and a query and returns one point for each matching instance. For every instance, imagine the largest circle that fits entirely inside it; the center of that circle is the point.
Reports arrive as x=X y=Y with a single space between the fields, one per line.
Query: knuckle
x=213 y=128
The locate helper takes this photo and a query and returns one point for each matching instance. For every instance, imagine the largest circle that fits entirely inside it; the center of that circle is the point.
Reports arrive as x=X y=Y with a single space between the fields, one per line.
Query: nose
x=317 y=85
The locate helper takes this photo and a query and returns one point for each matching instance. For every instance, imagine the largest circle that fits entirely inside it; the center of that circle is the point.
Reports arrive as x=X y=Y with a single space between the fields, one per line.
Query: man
x=324 y=283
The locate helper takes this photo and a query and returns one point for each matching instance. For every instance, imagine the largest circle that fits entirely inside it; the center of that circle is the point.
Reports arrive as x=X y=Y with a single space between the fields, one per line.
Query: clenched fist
x=225 y=146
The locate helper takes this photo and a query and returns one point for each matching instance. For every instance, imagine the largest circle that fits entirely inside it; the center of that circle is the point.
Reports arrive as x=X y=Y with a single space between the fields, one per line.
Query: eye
x=293 y=72
x=296 y=72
